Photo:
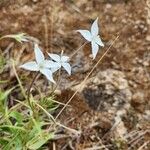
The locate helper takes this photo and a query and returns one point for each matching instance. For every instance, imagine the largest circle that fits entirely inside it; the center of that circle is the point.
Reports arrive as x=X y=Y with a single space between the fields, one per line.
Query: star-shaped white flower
x=93 y=37
x=62 y=61
x=46 y=67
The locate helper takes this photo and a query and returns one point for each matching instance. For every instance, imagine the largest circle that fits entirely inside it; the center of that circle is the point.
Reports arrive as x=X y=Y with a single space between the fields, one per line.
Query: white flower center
x=41 y=66
x=94 y=37
x=60 y=62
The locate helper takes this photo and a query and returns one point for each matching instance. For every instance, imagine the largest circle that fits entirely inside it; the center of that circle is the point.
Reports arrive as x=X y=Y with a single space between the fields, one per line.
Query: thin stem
x=78 y=49
x=69 y=129
x=46 y=31
x=18 y=79
x=58 y=82
x=83 y=82
x=52 y=21
x=29 y=89
x=46 y=112
x=4 y=37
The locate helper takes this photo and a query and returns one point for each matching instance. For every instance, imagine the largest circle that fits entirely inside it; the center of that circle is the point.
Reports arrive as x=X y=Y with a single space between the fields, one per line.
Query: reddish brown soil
x=54 y=24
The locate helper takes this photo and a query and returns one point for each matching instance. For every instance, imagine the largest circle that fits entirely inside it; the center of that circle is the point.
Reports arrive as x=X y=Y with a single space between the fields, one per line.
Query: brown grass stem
x=85 y=79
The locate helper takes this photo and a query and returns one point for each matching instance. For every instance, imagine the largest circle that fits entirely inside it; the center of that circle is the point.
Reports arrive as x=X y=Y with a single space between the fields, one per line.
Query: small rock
x=147 y=115
x=114 y=19
x=34 y=1
x=145 y=63
x=138 y=101
x=148 y=38
x=120 y=130
x=108 y=6
x=138 y=98
x=105 y=124
x=124 y=21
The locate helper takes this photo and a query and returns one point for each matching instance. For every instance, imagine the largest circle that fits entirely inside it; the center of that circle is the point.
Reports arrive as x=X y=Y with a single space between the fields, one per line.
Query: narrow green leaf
x=16 y=115
x=7 y=127
x=39 y=140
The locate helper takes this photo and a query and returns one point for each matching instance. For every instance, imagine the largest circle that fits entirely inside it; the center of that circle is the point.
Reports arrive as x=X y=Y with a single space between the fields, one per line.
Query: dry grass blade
x=83 y=82
x=69 y=129
x=144 y=145
x=78 y=49
x=46 y=31
x=46 y=112
x=18 y=79
x=98 y=147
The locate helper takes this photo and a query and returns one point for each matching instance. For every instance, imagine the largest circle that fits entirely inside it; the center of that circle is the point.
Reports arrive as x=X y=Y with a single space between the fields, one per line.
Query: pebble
x=114 y=19
x=148 y=38
x=146 y=63
x=138 y=98
x=34 y=1
x=138 y=101
x=108 y=6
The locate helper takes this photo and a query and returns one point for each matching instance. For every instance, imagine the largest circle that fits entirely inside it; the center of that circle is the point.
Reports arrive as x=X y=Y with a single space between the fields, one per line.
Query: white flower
x=62 y=61
x=46 y=67
x=93 y=37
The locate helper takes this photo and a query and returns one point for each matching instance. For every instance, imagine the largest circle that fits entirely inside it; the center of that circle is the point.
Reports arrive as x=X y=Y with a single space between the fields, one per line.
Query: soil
x=112 y=110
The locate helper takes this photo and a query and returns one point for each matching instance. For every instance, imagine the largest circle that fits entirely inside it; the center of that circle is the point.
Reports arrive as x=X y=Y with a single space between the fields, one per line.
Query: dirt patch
x=122 y=79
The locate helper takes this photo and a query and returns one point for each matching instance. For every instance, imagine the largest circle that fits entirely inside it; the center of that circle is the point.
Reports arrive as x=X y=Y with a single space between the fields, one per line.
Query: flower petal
x=98 y=41
x=50 y=64
x=94 y=49
x=32 y=66
x=55 y=69
x=53 y=66
x=86 y=34
x=67 y=67
x=38 y=54
x=55 y=57
x=48 y=74
x=94 y=28
x=64 y=59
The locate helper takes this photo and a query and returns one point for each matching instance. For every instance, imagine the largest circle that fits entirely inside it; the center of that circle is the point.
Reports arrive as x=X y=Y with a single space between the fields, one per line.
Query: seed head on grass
x=21 y=37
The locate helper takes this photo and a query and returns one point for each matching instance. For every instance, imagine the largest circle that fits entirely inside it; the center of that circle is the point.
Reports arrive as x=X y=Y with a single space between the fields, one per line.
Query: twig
x=46 y=112
x=51 y=29
x=78 y=49
x=140 y=134
x=69 y=129
x=46 y=31
x=142 y=147
x=54 y=145
x=98 y=147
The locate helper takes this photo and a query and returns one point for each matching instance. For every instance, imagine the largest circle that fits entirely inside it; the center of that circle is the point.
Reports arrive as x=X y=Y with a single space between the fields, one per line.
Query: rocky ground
x=112 y=110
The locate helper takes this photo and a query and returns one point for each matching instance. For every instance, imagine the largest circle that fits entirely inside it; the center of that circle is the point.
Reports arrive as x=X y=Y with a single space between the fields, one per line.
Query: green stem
x=29 y=90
